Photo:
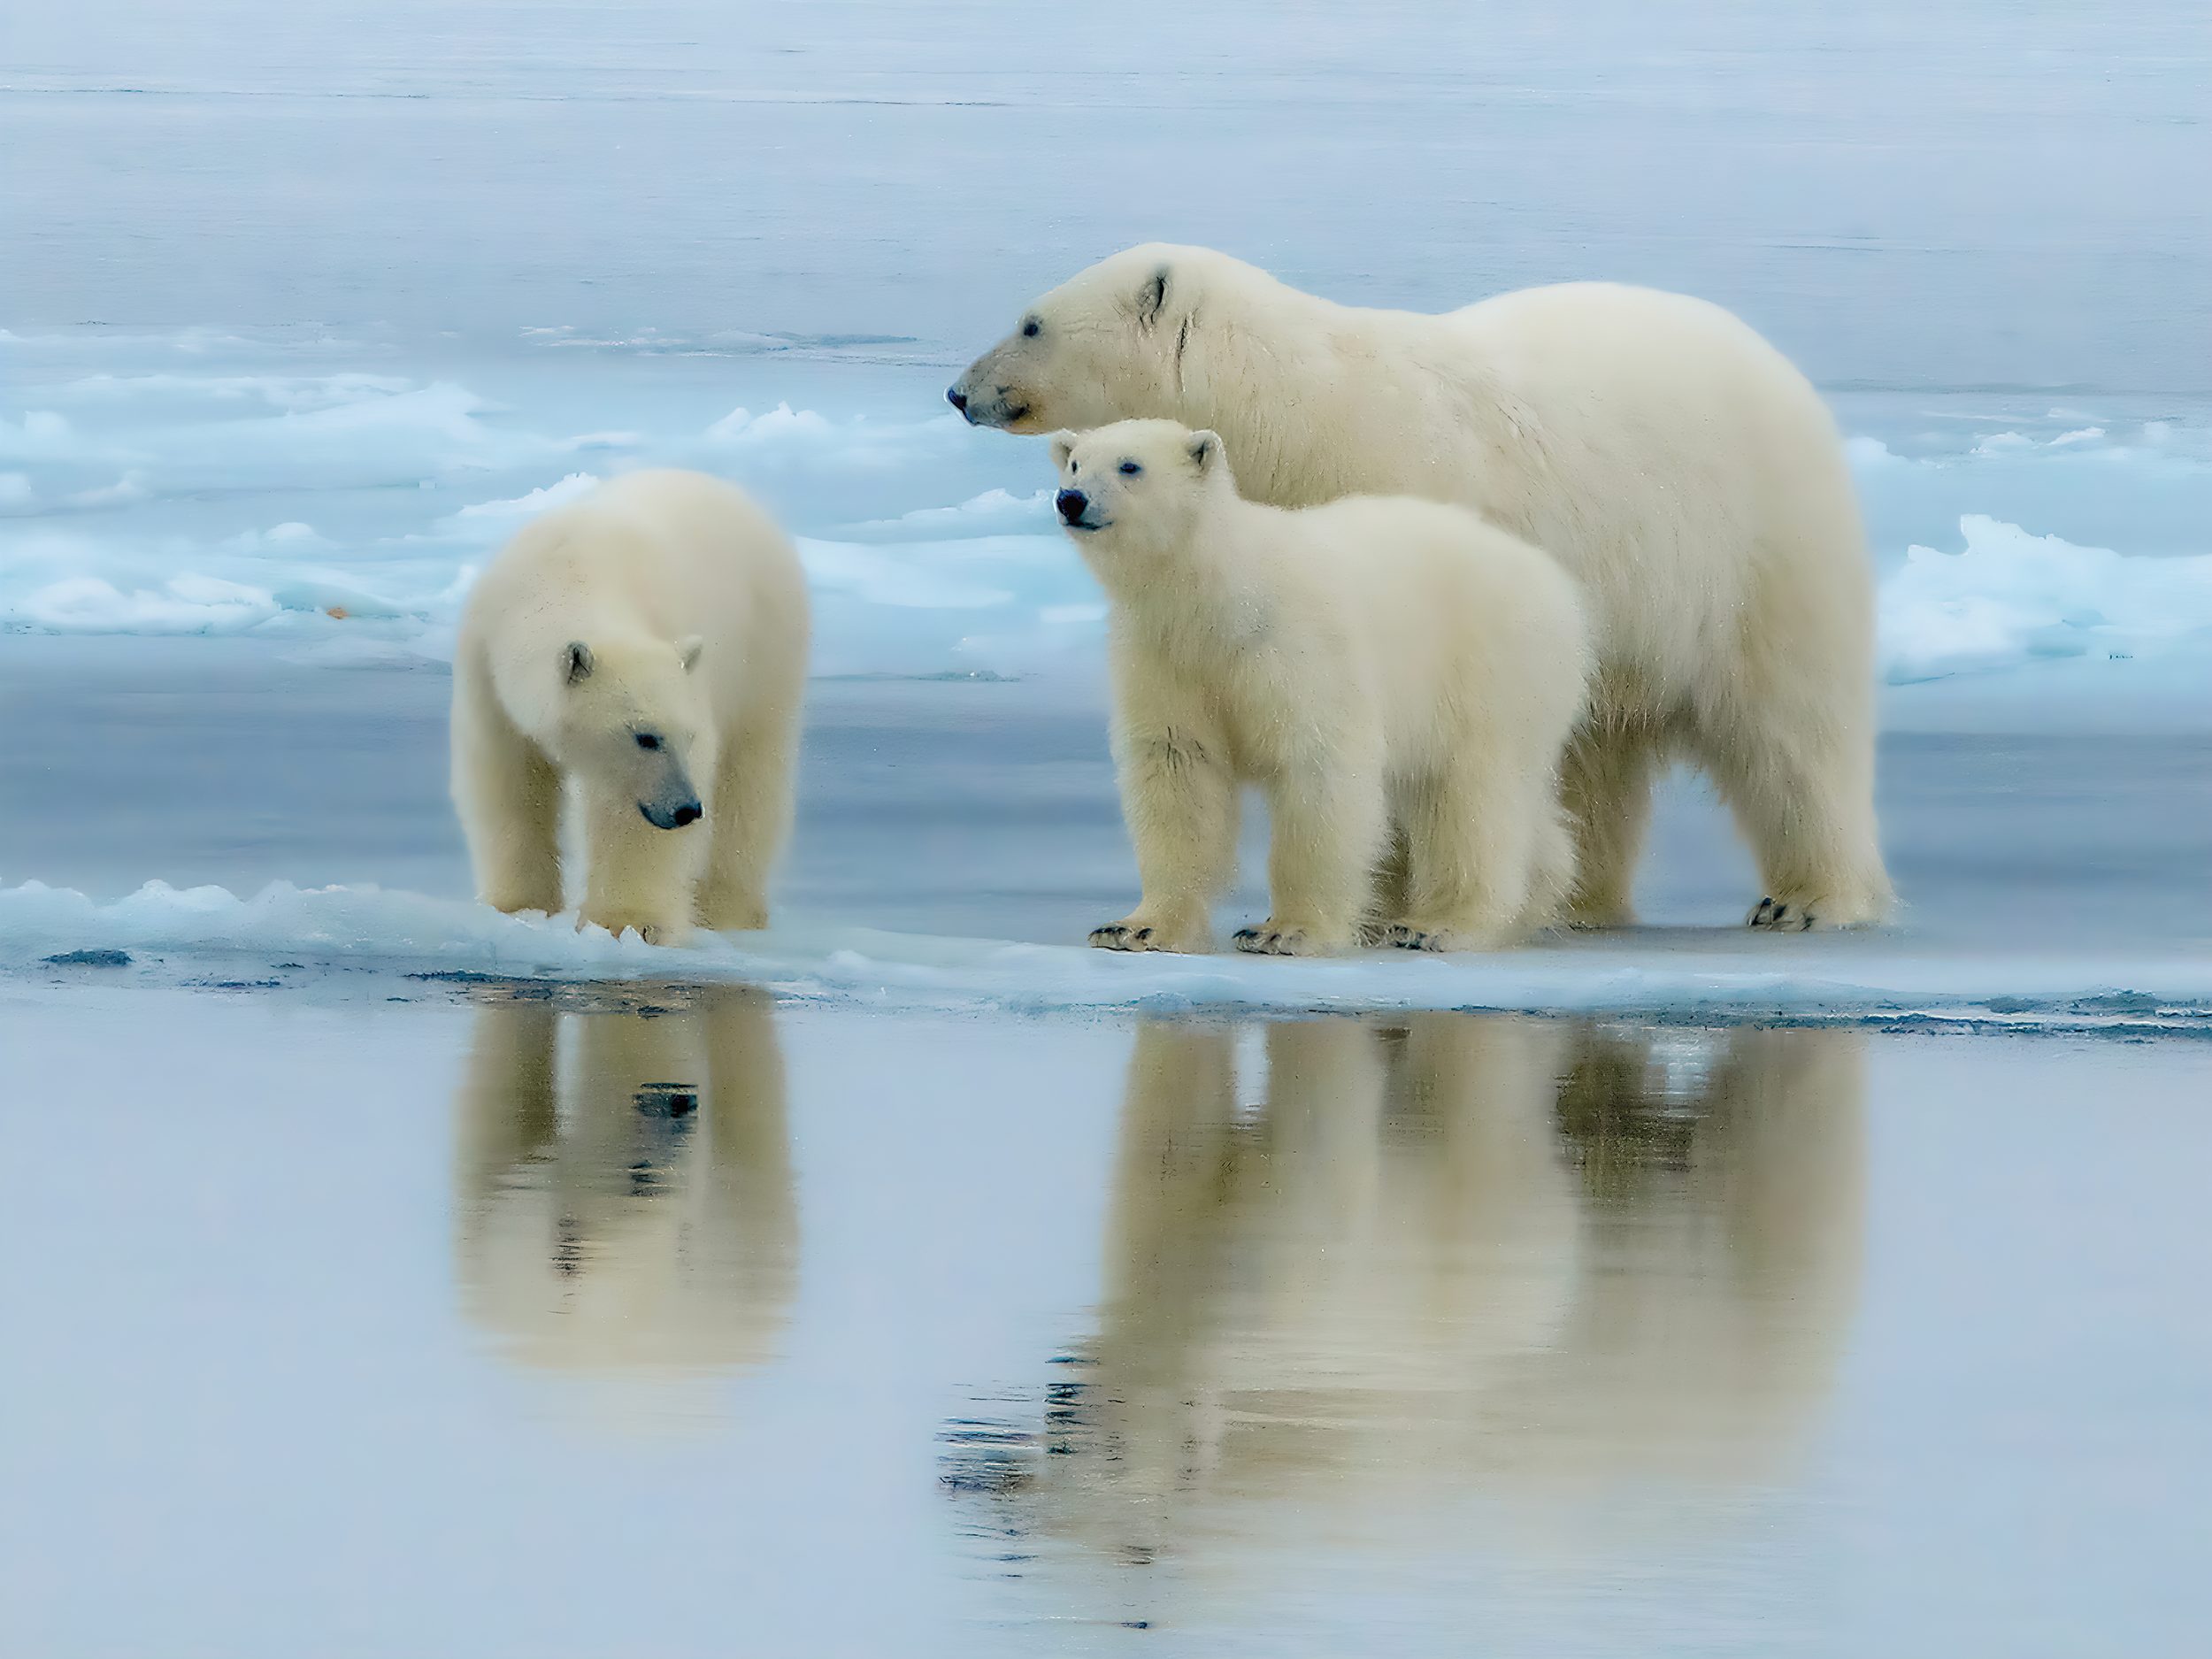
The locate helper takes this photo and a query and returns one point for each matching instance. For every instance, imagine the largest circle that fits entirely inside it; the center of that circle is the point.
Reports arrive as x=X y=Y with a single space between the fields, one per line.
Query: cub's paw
x=1134 y=933
x=1270 y=938
x=1447 y=937
x=1407 y=936
x=1784 y=916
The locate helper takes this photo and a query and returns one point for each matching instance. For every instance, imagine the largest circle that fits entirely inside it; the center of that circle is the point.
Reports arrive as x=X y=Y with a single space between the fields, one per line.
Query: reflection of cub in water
x=626 y=1192
x=1460 y=1256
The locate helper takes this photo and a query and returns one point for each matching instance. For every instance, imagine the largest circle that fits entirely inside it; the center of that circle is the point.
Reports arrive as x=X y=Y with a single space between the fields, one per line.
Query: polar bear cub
x=645 y=650
x=1398 y=678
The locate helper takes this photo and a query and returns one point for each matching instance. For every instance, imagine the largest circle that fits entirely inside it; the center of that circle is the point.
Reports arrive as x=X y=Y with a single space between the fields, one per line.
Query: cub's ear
x=1205 y=449
x=688 y=649
x=1152 y=296
x=1063 y=447
x=577 y=661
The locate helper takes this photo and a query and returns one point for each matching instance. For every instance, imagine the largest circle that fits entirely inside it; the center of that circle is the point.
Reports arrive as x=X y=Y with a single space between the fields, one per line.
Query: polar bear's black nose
x=957 y=398
x=1070 y=504
x=687 y=813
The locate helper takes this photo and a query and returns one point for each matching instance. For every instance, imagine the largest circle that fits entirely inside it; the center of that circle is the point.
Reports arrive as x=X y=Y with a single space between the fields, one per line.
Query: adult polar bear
x=1662 y=451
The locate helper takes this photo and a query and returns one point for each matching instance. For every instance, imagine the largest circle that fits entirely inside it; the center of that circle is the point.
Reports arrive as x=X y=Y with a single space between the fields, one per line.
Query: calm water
x=676 y=1322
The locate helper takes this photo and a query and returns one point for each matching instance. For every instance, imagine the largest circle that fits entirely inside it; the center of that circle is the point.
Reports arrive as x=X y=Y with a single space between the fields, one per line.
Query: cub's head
x=1107 y=344
x=635 y=721
x=1136 y=485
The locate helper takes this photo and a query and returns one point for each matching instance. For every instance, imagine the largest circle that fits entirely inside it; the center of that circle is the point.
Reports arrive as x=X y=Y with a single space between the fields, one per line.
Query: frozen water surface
x=382 y=1276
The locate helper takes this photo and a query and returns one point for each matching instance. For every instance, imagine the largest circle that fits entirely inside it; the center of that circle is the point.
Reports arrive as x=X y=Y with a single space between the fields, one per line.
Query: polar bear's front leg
x=1180 y=801
x=751 y=816
x=509 y=797
x=1331 y=828
x=636 y=875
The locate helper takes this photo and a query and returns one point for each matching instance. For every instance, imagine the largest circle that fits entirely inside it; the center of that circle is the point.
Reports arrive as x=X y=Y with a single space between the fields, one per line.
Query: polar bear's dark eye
x=1030 y=329
x=648 y=740
x=1130 y=469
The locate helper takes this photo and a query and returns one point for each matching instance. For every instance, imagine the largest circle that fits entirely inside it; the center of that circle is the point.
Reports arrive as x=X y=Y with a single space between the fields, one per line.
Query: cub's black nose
x=1070 y=504
x=687 y=813
x=957 y=398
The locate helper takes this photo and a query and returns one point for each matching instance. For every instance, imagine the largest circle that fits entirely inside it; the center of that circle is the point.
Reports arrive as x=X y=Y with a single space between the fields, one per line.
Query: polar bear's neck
x=1216 y=584
x=1317 y=400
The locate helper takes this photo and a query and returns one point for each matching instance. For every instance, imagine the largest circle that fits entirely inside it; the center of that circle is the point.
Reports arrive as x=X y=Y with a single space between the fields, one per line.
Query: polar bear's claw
x=1121 y=936
x=1780 y=916
x=1264 y=940
x=1405 y=937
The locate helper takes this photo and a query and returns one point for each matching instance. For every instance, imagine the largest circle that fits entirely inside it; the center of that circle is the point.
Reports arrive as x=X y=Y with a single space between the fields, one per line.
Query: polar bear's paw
x=1142 y=932
x=1405 y=936
x=1466 y=933
x=1784 y=916
x=1271 y=938
x=1840 y=902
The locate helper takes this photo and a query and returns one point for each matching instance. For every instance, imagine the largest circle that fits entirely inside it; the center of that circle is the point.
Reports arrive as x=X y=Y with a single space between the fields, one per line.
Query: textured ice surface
x=198 y=497
x=209 y=930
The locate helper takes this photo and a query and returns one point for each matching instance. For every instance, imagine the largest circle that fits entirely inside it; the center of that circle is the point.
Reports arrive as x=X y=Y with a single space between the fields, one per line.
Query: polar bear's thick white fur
x=646 y=645
x=1669 y=457
x=1399 y=678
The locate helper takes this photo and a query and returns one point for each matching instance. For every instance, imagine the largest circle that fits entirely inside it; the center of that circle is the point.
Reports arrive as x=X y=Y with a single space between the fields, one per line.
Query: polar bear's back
x=1664 y=452
x=1674 y=459
x=664 y=552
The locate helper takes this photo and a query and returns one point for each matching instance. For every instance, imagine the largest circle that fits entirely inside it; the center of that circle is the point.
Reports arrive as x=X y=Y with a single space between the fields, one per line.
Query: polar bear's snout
x=669 y=817
x=1071 y=503
x=984 y=404
x=674 y=804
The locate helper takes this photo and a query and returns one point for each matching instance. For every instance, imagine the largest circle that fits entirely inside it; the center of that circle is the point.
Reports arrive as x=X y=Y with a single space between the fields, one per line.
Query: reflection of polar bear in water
x=625 y=1188
x=1467 y=1255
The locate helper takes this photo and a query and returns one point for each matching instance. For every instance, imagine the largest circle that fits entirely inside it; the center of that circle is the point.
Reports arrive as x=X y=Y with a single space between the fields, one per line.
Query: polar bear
x=647 y=645
x=1398 y=677
x=1665 y=454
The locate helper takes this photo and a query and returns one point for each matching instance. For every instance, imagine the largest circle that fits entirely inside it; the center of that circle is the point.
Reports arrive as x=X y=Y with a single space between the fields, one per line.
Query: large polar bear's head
x=634 y=721
x=1108 y=344
x=1137 y=487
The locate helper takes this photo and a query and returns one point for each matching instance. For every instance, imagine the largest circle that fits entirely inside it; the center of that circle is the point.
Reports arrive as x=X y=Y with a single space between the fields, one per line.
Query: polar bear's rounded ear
x=687 y=650
x=577 y=661
x=1063 y=447
x=1205 y=451
x=1152 y=297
